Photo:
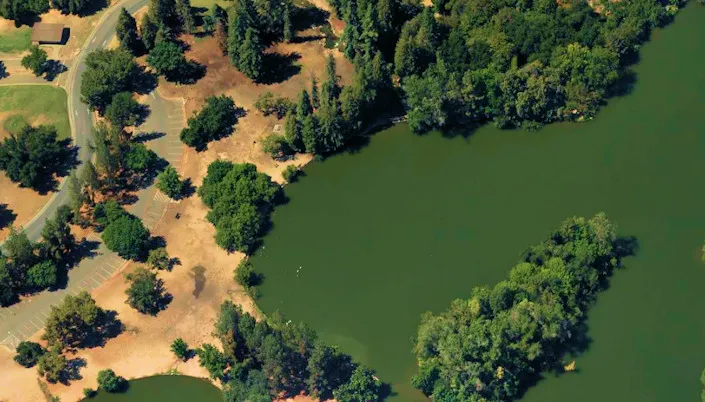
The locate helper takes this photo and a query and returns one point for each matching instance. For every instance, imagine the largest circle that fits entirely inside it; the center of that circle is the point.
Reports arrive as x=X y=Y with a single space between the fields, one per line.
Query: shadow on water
x=198 y=273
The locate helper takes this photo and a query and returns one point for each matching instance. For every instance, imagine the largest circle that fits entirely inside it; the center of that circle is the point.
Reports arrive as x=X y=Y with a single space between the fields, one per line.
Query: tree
x=212 y=359
x=148 y=31
x=363 y=386
x=123 y=110
x=315 y=99
x=240 y=199
x=169 y=183
x=126 y=30
x=214 y=121
x=327 y=370
x=35 y=61
x=185 y=16
x=73 y=321
x=309 y=134
x=7 y=291
x=127 y=236
x=146 y=293
x=42 y=275
x=53 y=365
x=221 y=36
x=109 y=381
x=527 y=321
x=139 y=158
x=77 y=7
x=288 y=33
x=28 y=353
x=158 y=258
x=292 y=131
x=276 y=146
x=23 y=11
x=58 y=240
x=108 y=72
x=180 y=349
x=76 y=198
x=253 y=388
x=89 y=177
x=168 y=59
x=250 y=55
x=31 y=156
x=245 y=275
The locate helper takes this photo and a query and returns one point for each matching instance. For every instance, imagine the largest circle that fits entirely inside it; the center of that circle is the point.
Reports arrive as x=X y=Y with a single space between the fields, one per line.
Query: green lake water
x=166 y=388
x=371 y=240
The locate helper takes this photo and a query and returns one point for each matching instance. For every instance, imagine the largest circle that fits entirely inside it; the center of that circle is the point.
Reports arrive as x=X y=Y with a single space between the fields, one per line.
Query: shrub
x=268 y=104
x=169 y=183
x=276 y=146
x=291 y=173
x=146 y=293
x=158 y=258
x=180 y=349
x=109 y=381
x=127 y=236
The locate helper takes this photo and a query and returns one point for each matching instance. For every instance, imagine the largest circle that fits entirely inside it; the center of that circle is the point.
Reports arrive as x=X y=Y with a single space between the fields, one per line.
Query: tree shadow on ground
x=81 y=250
x=142 y=114
x=52 y=69
x=198 y=273
x=73 y=369
x=7 y=217
x=143 y=179
x=144 y=82
x=308 y=38
x=192 y=72
x=146 y=137
x=109 y=326
x=311 y=16
x=93 y=7
x=3 y=70
x=279 y=67
x=187 y=190
x=230 y=128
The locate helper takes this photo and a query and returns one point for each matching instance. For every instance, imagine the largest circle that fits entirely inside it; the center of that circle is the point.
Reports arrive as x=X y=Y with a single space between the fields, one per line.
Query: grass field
x=15 y=40
x=209 y=3
x=35 y=104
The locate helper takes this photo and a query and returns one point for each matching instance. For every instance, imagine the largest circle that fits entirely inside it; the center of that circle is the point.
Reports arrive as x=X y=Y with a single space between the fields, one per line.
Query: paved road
x=79 y=114
x=22 y=320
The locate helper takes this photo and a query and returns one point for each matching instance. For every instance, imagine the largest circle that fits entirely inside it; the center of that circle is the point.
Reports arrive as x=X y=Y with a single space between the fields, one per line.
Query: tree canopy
x=146 y=293
x=35 y=61
x=31 y=155
x=23 y=11
x=124 y=233
x=214 y=121
x=108 y=72
x=240 y=199
x=504 y=337
x=74 y=321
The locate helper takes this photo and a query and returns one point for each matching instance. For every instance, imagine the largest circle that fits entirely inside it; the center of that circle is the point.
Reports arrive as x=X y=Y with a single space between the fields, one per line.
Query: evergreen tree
x=330 y=135
x=221 y=36
x=309 y=134
x=304 y=107
x=330 y=88
x=90 y=179
x=314 y=94
x=75 y=188
x=351 y=34
x=289 y=33
x=148 y=31
x=240 y=20
x=186 y=20
x=250 y=55
x=126 y=30
x=292 y=132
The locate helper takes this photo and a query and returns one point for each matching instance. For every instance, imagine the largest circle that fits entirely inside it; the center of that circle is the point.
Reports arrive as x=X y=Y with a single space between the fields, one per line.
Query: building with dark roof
x=43 y=33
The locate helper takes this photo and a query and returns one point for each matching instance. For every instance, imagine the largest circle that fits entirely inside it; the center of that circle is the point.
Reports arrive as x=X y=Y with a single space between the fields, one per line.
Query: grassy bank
x=15 y=40
x=34 y=104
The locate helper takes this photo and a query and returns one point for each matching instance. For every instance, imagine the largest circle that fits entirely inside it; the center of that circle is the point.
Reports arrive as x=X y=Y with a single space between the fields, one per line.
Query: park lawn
x=15 y=40
x=34 y=104
x=209 y=3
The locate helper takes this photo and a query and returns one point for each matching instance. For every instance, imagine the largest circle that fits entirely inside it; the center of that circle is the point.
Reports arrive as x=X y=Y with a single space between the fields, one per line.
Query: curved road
x=20 y=321
x=79 y=113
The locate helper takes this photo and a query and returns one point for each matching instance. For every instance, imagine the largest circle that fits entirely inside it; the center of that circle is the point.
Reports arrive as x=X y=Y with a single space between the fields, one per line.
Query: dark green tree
x=363 y=386
x=170 y=184
x=28 y=353
x=123 y=110
x=180 y=349
x=250 y=55
x=109 y=381
x=127 y=236
x=108 y=72
x=57 y=239
x=148 y=31
x=35 y=61
x=212 y=360
x=30 y=156
x=158 y=258
x=214 y=121
x=77 y=7
x=310 y=135
x=74 y=321
x=185 y=15
x=146 y=293
x=53 y=365
x=168 y=59
x=126 y=30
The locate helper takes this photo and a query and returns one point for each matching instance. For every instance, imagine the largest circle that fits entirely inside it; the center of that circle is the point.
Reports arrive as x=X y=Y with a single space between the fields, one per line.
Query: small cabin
x=49 y=34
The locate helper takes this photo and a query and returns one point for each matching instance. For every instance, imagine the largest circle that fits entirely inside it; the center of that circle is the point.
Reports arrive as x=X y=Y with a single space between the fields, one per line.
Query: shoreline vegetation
x=500 y=341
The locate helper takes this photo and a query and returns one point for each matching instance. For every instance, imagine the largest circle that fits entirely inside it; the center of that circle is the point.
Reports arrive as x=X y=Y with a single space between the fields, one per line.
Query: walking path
x=22 y=320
